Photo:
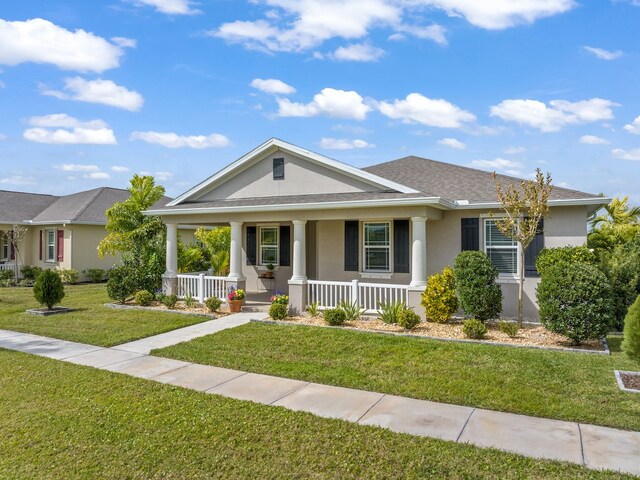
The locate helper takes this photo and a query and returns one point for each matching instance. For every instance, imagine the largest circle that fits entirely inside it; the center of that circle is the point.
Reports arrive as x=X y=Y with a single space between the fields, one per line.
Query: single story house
x=334 y=232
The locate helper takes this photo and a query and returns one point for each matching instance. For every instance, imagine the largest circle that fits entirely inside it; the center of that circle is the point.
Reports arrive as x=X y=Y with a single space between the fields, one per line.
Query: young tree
x=523 y=208
x=16 y=234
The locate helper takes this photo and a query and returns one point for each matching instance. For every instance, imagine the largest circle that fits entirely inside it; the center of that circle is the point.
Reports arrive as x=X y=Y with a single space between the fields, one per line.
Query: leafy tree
x=523 y=207
x=618 y=225
x=217 y=247
x=191 y=258
x=141 y=239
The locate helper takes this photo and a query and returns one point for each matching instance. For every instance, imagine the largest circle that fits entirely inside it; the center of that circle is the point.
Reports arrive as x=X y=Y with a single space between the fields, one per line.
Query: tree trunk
x=520 y=284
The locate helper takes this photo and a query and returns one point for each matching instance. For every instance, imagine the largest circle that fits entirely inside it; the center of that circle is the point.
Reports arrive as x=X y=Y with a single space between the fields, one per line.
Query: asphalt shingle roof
x=15 y=207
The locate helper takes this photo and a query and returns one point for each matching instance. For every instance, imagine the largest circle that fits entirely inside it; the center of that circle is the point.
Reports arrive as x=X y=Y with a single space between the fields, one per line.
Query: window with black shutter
x=285 y=246
x=470 y=234
x=532 y=251
x=251 y=245
x=351 y=243
x=278 y=168
x=401 y=246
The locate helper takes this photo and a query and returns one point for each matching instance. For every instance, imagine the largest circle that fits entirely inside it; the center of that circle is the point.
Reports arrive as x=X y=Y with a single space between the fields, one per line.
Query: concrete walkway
x=589 y=445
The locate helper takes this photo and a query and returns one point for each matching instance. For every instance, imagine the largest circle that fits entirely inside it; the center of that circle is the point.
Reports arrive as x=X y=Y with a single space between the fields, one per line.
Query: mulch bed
x=181 y=307
x=630 y=381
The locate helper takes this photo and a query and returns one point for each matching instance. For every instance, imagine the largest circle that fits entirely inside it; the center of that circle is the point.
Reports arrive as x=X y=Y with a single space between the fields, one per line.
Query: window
x=278 y=168
x=268 y=245
x=50 y=246
x=502 y=250
x=377 y=247
x=4 y=254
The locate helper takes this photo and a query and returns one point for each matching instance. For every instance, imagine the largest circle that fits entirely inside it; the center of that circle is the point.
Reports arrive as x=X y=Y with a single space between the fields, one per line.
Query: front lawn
x=91 y=323
x=66 y=421
x=569 y=386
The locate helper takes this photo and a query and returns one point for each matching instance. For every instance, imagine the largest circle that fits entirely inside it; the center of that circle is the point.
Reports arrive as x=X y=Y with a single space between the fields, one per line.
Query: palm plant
x=618 y=212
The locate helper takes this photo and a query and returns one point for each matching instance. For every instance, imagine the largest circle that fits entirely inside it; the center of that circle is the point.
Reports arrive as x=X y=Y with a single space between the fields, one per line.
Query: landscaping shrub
x=121 y=284
x=280 y=298
x=476 y=288
x=439 y=298
x=279 y=311
x=509 y=328
x=351 y=311
x=30 y=272
x=408 y=319
x=313 y=309
x=48 y=289
x=549 y=257
x=334 y=316
x=474 y=328
x=631 y=342
x=6 y=278
x=390 y=311
x=213 y=303
x=190 y=302
x=69 y=276
x=575 y=301
x=144 y=298
x=95 y=274
x=169 y=301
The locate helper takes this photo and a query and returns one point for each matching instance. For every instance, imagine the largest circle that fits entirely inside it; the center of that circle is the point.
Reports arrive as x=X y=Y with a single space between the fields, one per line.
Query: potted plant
x=269 y=272
x=235 y=298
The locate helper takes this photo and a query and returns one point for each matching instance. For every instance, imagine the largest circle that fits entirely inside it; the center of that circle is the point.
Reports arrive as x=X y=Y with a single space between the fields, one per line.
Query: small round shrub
x=474 y=328
x=213 y=303
x=48 y=289
x=144 y=298
x=631 y=342
x=575 y=301
x=476 y=288
x=408 y=319
x=508 y=328
x=278 y=311
x=170 y=301
x=121 y=284
x=95 y=274
x=69 y=276
x=30 y=272
x=334 y=316
x=549 y=257
x=439 y=298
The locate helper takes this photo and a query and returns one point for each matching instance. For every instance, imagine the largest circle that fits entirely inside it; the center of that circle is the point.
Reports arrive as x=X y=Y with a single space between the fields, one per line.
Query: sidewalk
x=589 y=445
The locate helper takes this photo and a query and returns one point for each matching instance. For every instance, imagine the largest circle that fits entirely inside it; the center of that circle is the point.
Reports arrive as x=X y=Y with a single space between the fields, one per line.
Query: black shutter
x=351 y=244
x=285 y=246
x=532 y=251
x=470 y=234
x=251 y=245
x=401 y=246
x=278 y=168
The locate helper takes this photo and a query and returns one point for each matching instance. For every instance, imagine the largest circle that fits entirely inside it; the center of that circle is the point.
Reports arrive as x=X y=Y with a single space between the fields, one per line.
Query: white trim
x=277 y=245
x=389 y=247
x=46 y=245
x=572 y=202
x=505 y=277
x=276 y=144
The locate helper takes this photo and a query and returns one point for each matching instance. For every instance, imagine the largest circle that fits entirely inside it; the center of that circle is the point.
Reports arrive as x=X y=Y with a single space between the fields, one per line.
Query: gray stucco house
x=334 y=232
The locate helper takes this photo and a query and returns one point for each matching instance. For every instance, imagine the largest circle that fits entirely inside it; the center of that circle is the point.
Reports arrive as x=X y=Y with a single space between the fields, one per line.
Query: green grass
x=92 y=322
x=569 y=386
x=66 y=421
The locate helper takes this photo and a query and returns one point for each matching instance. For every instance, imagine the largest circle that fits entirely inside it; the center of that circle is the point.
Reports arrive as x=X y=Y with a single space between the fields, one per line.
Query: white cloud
x=170 y=7
x=97 y=176
x=119 y=169
x=503 y=165
x=593 y=140
x=125 y=42
x=98 y=91
x=2 y=137
x=17 y=180
x=603 y=54
x=633 y=127
x=358 y=52
x=556 y=115
x=330 y=102
x=430 y=32
x=452 y=143
x=78 y=167
x=163 y=176
x=343 y=144
x=273 y=86
x=173 y=140
x=633 y=154
x=68 y=130
x=40 y=41
x=417 y=108
x=514 y=150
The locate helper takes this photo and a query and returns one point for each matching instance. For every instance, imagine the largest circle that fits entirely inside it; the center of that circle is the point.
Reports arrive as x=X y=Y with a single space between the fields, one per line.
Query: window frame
x=261 y=261
x=47 y=245
x=515 y=247
x=5 y=247
x=388 y=247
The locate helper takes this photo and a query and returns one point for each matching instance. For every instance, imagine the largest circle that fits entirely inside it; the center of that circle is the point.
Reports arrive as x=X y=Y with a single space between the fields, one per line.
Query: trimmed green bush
x=575 y=301
x=213 y=304
x=334 y=316
x=69 y=276
x=278 y=311
x=549 y=257
x=30 y=272
x=408 y=319
x=121 y=284
x=476 y=288
x=95 y=274
x=508 y=328
x=144 y=298
x=170 y=301
x=474 y=328
x=439 y=298
x=48 y=289
x=6 y=275
x=631 y=342
x=390 y=311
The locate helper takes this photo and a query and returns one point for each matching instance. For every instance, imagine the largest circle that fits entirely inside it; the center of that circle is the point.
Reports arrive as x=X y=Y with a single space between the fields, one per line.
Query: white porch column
x=235 y=257
x=419 y=252
x=299 y=251
x=170 y=277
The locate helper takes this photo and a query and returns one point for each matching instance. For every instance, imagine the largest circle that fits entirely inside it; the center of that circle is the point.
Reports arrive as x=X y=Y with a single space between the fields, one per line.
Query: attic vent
x=278 y=168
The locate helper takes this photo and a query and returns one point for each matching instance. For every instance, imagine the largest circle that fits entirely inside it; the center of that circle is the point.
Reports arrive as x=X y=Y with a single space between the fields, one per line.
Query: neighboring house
x=335 y=232
x=62 y=232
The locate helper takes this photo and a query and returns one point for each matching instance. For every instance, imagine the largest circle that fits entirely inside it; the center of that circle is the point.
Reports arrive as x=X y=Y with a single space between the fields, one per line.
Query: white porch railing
x=12 y=266
x=368 y=296
x=201 y=286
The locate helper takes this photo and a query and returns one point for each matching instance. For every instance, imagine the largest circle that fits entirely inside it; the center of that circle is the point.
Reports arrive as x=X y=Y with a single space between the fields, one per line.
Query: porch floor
x=257 y=302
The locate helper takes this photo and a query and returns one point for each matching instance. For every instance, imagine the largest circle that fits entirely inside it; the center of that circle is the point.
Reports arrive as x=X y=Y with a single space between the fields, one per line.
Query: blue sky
x=92 y=92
